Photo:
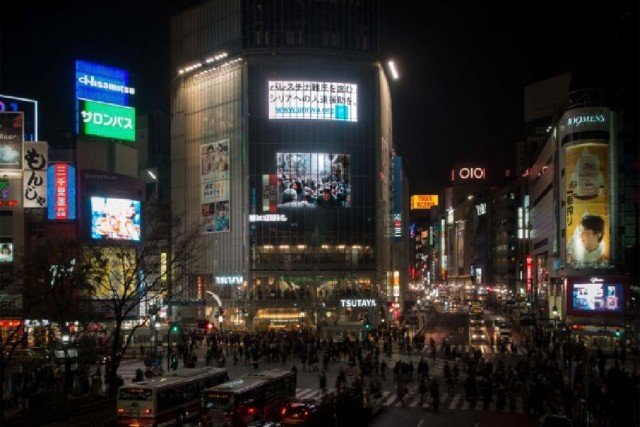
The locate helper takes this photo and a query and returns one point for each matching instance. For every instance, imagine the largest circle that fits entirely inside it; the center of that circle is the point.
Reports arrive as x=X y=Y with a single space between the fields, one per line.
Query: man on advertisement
x=587 y=245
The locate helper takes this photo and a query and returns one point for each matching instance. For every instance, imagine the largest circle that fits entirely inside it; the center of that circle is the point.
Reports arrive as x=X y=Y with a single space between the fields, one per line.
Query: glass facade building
x=282 y=154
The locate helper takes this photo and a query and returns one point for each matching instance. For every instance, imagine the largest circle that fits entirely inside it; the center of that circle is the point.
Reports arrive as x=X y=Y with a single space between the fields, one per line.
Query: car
x=299 y=412
x=504 y=337
x=499 y=323
x=478 y=334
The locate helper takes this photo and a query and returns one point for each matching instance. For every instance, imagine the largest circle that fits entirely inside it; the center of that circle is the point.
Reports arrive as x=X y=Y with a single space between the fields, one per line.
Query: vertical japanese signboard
x=62 y=192
x=35 y=174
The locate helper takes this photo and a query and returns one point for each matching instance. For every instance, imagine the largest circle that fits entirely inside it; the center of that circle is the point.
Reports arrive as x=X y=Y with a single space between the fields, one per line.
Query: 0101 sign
x=467 y=173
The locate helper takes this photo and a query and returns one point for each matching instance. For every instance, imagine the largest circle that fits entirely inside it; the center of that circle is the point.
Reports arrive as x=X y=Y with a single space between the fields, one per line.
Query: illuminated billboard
x=214 y=183
x=11 y=136
x=27 y=106
x=596 y=295
x=61 y=192
x=103 y=83
x=117 y=219
x=313 y=180
x=6 y=252
x=106 y=120
x=424 y=201
x=587 y=205
x=291 y=99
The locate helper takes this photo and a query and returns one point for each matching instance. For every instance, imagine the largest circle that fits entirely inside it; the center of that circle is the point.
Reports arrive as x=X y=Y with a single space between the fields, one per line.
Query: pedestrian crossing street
x=455 y=401
x=465 y=348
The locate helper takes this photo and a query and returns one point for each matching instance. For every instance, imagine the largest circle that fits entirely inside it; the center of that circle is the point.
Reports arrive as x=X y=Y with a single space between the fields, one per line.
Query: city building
x=282 y=152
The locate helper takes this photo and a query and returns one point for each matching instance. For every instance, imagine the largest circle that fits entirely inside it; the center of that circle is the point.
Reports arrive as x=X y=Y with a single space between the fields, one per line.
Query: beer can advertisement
x=587 y=205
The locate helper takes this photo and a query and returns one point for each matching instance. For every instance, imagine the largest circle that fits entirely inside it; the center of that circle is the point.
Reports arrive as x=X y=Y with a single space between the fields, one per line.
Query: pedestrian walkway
x=452 y=402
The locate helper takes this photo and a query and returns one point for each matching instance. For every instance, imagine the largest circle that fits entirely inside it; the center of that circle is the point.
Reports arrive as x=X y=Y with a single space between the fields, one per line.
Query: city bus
x=166 y=400
x=252 y=397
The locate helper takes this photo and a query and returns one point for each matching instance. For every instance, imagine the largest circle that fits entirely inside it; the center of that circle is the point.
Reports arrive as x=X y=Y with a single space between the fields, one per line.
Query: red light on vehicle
x=283 y=412
x=209 y=325
x=121 y=410
x=147 y=411
x=251 y=411
x=306 y=413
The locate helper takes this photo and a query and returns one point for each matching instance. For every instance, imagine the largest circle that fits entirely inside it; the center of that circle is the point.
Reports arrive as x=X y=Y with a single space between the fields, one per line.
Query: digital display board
x=309 y=100
x=313 y=180
x=117 y=219
x=106 y=120
x=596 y=297
x=61 y=192
x=11 y=136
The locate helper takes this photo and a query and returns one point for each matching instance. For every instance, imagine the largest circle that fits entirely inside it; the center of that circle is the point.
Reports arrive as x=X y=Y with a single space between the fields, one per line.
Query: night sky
x=463 y=66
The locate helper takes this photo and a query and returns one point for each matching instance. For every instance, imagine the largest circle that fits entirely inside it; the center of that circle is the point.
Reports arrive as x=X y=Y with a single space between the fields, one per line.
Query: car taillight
x=306 y=413
x=283 y=412
x=121 y=410
x=147 y=411
x=251 y=411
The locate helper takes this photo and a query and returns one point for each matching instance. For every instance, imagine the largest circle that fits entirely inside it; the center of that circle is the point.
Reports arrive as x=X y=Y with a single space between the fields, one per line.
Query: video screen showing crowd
x=313 y=180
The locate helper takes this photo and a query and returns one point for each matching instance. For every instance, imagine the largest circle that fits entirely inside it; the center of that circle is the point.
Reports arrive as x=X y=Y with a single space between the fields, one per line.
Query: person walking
x=322 y=377
x=401 y=390
x=434 y=390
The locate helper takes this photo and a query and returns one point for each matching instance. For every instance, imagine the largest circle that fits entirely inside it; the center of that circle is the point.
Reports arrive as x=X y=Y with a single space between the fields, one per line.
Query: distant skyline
x=463 y=67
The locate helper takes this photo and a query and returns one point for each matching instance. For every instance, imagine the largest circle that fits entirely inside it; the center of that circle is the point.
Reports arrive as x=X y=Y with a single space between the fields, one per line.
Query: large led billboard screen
x=117 y=219
x=596 y=295
x=587 y=205
x=313 y=180
x=291 y=99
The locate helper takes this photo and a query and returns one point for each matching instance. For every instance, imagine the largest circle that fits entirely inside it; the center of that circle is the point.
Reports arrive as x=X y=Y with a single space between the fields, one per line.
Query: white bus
x=167 y=400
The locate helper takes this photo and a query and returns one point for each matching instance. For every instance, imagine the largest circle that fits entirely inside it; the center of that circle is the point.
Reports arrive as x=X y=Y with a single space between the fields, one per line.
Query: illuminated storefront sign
x=424 y=201
x=468 y=173
x=61 y=192
x=358 y=303
x=229 y=280
x=313 y=100
x=7 y=199
x=268 y=218
x=35 y=175
x=587 y=205
x=529 y=273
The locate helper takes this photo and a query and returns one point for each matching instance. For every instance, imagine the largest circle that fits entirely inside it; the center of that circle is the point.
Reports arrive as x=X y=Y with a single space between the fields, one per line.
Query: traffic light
x=175 y=328
x=209 y=326
x=617 y=333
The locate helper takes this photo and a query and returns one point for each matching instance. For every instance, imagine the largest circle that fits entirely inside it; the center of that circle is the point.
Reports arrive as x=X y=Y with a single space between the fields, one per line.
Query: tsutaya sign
x=358 y=303
x=466 y=173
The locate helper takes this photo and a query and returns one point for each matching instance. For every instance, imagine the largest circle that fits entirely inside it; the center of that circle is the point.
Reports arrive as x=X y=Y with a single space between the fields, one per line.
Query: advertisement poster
x=587 y=205
x=214 y=181
x=11 y=134
x=313 y=180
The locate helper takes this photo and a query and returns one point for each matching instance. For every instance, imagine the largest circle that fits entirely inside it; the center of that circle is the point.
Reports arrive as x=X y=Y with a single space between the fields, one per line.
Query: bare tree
x=133 y=280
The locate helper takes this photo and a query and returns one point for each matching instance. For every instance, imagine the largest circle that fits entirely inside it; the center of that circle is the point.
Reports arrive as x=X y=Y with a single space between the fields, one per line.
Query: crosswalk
x=466 y=348
x=456 y=401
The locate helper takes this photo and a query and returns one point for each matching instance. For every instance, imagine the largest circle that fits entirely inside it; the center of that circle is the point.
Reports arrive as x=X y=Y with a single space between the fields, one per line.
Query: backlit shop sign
x=61 y=192
x=468 y=173
x=229 y=280
x=357 y=303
